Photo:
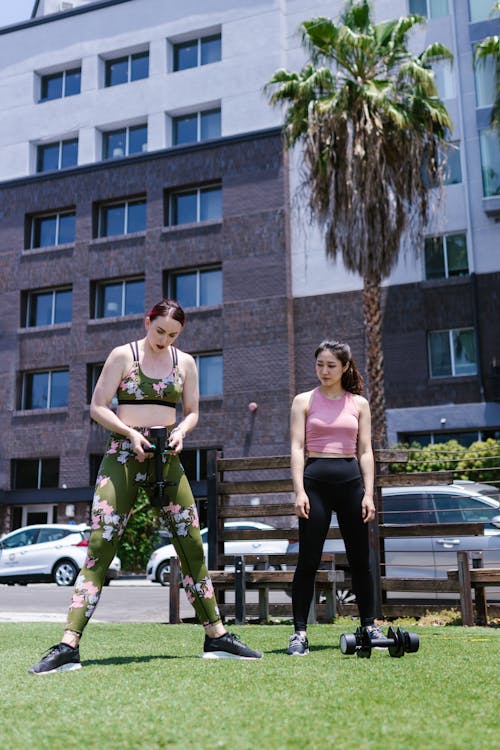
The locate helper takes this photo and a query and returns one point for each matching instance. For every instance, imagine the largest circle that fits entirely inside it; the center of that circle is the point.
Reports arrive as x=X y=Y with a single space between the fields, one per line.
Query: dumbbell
x=398 y=642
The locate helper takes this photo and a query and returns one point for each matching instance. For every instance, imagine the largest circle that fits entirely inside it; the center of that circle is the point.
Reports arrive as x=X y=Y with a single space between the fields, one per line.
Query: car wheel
x=345 y=596
x=163 y=573
x=107 y=581
x=65 y=573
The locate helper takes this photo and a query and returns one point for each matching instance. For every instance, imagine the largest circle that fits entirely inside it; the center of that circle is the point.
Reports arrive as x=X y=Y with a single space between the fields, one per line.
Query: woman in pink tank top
x=332 y=471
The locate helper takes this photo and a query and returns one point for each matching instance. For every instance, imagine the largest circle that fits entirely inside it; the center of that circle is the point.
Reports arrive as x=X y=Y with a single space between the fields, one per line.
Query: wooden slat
x=253 y=462
x=382 y=455
x=237 y=534
x=281 y=559
x=275 y=578
x=419 y=584
x=253 y=511
x=486 y=576
x=431 y=529
x=410 y=479
x=254 y=488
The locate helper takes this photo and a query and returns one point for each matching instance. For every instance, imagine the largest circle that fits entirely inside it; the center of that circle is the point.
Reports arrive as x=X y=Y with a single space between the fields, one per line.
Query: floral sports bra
x=138 y=388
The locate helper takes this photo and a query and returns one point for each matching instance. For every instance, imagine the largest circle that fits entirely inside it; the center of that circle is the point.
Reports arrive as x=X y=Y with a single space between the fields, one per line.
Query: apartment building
x=139 y=158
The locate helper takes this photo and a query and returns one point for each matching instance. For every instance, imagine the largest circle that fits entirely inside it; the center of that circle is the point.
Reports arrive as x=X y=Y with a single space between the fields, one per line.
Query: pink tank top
x=332 y=425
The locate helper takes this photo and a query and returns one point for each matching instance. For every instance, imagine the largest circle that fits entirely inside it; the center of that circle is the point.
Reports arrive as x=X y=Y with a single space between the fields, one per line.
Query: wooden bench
x=469 y=579
x=227 y=500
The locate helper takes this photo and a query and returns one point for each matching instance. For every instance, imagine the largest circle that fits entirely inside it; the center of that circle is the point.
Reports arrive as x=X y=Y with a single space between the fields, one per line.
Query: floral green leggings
x=121 y=476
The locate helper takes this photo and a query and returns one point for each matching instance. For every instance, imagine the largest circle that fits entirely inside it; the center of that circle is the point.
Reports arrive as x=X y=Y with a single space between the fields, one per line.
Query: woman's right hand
x=301 y=505
x=140 y=444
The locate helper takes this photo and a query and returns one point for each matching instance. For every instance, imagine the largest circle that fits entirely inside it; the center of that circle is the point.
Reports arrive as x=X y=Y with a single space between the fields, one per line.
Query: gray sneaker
x=59 y=658
x=376 y=635
x=299 y=645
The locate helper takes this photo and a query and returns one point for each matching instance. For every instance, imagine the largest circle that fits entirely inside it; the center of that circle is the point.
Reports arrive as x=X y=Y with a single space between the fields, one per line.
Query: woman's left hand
x=367 y=509
x=176 y=440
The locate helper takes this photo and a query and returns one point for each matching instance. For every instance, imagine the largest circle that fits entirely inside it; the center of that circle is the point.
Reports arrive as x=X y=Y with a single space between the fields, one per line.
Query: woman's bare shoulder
x=302 y=400
x=361 y=402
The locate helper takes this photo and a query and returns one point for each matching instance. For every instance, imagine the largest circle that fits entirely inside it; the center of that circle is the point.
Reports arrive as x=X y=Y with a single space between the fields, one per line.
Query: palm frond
x=433 y=52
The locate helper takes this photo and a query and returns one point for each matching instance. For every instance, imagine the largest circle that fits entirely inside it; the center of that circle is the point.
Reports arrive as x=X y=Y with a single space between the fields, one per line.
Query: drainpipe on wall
x=477 y=334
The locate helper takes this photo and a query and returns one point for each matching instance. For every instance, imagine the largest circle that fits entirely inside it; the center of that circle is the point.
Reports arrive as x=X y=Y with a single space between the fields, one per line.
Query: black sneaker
x=299 y=645
x=59 y=658
x=228 y=646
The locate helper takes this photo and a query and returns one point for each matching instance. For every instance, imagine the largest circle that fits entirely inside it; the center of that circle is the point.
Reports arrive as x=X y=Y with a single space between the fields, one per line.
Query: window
x=119 y=298
x=429 y=8
x=453 y=173
x=409 y=508
x=127 y=68
x=59 y=85
x=195 y=52
x=94 y=466
x=490 y=161
x=57 y=155
x=210 y=374
x=197 y=288
x=199 y=204
x=45 y=390
x=93 y=374
x=480 y=10
x=48 y=307
x=53 y=229
x=34 y=473
x=485 y=81
x=452 y=353
x=124 y=142
x=198 y=126
x=122 y=218
x=444 y=78
x=446 y=256
x=453 y=508
x=194 y=461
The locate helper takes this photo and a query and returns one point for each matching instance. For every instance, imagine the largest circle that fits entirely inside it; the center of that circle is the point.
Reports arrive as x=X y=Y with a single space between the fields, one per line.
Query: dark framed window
x=59 y=85
x=452 y=353
x=48 y=307
x=124 y=142
x=210 y=373
x=53 y=229
x=195 y=205
x=34 y=473
x=119 y=298
x=58 y=155
x=93 y=373
x=490 y=161
x=125 y=217
x=195 y=52
x=94 y=465
x=126 y=69
x=429 y=8
x=197 y=126
x=446 y=256
x=45 y=390
x=197 y=287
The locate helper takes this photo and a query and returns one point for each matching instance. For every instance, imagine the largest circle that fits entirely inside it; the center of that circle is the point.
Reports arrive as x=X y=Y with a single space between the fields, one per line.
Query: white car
x=158 y=567
x=47 y=552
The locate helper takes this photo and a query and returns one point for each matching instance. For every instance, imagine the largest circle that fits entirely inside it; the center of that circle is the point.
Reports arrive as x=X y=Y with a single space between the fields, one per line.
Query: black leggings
x=333 y=484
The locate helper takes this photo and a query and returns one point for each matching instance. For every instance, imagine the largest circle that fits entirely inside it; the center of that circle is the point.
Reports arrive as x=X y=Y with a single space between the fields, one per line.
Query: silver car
x=47 y=552
x=432 y=556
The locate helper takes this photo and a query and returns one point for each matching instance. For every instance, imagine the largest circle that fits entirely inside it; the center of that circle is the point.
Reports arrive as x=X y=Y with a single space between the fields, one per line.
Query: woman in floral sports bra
x=149 y=377
x=332 y=470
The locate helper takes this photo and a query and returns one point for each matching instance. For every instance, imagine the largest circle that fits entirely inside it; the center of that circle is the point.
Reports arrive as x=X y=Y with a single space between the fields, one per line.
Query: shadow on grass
x=312 y=647
x=119 y=660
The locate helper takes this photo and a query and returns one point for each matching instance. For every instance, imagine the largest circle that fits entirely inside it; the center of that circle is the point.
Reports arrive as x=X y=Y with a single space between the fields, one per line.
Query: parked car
x=48 y=552
x=158 y=567
x=432 y=556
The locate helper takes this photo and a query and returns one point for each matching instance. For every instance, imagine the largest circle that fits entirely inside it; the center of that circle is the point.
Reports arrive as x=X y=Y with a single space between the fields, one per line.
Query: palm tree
x=490 y=47
x=372 y=127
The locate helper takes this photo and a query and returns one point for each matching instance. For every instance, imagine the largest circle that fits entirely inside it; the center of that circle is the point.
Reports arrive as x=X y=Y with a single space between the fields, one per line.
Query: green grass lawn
x=144 y=686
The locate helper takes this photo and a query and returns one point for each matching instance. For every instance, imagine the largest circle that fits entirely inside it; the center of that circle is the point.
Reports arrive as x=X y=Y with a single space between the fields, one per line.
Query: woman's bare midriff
x=311 y=454
x=146 y=415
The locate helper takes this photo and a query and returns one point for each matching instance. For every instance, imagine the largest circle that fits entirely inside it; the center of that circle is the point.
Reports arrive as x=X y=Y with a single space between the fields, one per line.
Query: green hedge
x=479 y=462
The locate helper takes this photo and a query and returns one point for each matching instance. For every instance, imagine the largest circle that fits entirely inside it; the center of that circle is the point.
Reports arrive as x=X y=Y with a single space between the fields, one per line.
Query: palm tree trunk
x=372 y=313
